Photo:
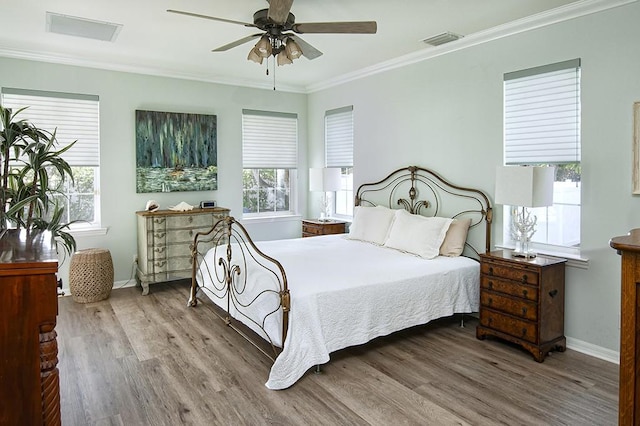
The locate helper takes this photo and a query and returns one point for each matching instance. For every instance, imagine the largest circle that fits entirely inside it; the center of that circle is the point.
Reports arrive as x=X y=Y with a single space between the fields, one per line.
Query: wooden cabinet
x=628 y=246
x=29 y=378
x=312 y=228
x=164 y=239
x=522 y=301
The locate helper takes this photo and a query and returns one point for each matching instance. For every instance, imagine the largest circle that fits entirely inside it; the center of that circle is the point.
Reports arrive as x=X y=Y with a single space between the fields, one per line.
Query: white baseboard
x=593 y=350
x=116 y=284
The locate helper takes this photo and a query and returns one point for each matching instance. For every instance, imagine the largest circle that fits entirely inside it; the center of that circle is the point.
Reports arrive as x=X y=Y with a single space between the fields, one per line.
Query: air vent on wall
x=443 y=38
x=81 y=27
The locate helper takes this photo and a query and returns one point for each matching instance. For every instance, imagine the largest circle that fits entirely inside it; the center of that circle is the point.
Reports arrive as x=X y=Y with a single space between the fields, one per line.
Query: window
x=74 y=117
x=542 y=127
x=338 y=134
x=269 y=161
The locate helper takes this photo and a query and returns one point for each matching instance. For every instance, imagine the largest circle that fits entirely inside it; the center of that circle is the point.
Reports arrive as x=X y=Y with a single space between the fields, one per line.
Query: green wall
x=120 y=95
x=445 y=113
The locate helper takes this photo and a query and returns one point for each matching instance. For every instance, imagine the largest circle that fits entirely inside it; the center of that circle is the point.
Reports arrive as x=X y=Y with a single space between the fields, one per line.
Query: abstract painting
x=176 y=152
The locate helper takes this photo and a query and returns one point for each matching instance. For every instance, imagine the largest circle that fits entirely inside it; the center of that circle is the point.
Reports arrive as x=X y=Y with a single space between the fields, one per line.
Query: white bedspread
x=345 y=293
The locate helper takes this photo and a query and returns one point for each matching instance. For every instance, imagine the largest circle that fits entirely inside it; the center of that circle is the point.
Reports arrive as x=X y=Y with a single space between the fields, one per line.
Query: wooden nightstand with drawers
x=313 y=228
x=522 y=301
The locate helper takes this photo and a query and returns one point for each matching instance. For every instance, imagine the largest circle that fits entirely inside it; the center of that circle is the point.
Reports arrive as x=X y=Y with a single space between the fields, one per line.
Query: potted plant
x=32 y=172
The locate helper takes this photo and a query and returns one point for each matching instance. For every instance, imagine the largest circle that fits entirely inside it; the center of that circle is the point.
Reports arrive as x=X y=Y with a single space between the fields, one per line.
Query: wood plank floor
x=133 y=360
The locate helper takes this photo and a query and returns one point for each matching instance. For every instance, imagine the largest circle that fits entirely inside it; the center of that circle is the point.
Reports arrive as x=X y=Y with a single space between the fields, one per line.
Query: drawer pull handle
x=524 y=278
x=490 y=320
x=524 y=311
x=190 y=219
x=553 y=293
x=490 y=270
x=525 y=292
x=524 y=331
x=490 y=285
x=190 y=232
x=490 y=301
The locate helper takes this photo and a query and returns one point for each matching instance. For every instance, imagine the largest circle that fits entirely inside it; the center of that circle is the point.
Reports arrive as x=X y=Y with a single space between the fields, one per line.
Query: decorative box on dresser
x=522 y=301
x=164 y=239
x=29 y=378
x=628 y=246
x=313 y=228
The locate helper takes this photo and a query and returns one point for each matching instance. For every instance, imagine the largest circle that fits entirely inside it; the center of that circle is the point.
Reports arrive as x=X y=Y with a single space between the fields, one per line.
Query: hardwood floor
x=133 y=360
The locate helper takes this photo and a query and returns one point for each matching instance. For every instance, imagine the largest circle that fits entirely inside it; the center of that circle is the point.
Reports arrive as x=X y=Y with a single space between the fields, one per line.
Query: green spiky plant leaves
x=28 y=156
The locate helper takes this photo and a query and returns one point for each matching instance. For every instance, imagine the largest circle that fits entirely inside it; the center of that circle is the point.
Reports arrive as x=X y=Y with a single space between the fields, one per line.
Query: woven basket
x=91 y=275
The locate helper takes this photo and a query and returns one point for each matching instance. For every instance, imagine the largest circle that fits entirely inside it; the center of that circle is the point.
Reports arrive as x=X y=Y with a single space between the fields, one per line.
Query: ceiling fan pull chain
x=274 y=73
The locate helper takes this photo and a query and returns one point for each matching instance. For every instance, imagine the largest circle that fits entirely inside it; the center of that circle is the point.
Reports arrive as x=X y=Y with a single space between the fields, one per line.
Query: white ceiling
x=156 y=42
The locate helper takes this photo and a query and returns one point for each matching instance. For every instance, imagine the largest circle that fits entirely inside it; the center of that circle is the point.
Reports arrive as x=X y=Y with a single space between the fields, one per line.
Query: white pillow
x=371 y=224
x=416 y=234
x=453 y=243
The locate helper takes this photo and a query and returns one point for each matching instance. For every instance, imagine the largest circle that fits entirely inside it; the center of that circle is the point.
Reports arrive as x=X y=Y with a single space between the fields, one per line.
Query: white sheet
x=346 y=292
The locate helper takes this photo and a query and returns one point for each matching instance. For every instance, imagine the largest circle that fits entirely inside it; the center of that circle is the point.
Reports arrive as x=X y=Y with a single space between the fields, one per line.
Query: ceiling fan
x=279 y=32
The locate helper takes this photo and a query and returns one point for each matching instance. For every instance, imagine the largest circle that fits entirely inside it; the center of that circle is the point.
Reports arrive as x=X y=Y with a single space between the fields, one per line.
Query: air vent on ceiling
x=81 y=27
x=443 y=38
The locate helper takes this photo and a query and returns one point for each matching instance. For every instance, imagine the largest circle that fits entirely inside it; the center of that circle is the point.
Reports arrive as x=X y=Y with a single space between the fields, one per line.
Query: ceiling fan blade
x=279 y=10
x=358 y=27
x=213 y=18
x=308 y=50
x=237 y=43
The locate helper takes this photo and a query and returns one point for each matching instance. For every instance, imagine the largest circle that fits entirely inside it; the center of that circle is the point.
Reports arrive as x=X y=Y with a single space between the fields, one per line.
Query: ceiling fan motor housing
x=261 y=21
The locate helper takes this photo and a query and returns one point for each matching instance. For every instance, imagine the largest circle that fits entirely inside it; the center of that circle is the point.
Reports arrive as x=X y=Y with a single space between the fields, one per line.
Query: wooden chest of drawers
x=164 y=237
x=312 y=228
x=522 y=301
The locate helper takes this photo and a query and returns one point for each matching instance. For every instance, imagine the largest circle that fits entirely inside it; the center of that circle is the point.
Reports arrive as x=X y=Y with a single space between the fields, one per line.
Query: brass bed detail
x=231 y=256
x=233 y=250
x=431 y=198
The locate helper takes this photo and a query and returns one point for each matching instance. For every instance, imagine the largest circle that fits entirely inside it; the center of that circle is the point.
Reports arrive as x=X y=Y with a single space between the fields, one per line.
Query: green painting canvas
x=176 y=152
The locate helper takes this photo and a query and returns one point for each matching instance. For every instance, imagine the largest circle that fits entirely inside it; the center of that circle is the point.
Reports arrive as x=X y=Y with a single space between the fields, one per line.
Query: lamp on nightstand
x=324 y=180
x=524 y=187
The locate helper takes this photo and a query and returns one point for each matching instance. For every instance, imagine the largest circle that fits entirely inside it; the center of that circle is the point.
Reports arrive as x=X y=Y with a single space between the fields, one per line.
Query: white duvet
x=346 y=292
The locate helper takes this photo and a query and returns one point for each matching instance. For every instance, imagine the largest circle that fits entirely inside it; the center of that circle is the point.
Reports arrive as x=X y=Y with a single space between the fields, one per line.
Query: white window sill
x=88 y=232
x=271 y=219
x=573 y=261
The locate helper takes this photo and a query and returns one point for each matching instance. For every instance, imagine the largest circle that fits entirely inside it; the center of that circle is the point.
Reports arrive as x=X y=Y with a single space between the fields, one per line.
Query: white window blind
x=73 y=116
x=338 y=130
x=269 y=140
x=542 y=114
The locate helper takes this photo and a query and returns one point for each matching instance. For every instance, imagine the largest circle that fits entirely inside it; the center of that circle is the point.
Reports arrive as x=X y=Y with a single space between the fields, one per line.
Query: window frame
x=270 y=142
x=339 y=139
x=86 y=151
x=517 y=152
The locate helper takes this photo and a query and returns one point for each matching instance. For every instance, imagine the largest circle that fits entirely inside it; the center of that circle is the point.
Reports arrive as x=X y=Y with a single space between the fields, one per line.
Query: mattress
x=344 y=293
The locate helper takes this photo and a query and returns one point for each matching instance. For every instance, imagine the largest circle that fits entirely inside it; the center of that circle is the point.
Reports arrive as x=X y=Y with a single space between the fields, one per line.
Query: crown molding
x=153 y=71
x=543 y=19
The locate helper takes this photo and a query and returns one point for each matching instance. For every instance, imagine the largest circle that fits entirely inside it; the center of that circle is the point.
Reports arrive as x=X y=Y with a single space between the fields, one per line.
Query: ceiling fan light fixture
x=254 y=56
x=263 y=46
x=292 y=49
x=283 y=59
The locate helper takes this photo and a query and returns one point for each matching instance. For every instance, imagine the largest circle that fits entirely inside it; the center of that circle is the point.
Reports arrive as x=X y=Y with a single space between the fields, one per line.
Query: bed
x=408 y=259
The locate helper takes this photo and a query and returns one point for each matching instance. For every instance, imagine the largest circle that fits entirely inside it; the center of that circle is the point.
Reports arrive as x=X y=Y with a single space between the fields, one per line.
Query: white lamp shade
x=324 y=179
x=525 y=186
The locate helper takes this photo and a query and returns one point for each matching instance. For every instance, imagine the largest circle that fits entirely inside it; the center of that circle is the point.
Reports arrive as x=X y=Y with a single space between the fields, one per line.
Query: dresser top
x=31 y=251
x=196 y=210
x=629 y=242
x=539 y=260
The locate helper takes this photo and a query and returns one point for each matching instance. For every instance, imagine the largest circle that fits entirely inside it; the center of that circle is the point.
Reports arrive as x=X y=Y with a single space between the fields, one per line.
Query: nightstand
x=522 y=301
x=312 y=228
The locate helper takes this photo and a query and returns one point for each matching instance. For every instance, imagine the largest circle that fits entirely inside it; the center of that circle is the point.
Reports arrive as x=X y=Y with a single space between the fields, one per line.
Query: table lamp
x=324 y=180
x=524 y=187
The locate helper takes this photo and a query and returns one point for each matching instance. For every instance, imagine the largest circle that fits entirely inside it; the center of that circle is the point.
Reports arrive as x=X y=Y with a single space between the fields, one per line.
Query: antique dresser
x=164 y=239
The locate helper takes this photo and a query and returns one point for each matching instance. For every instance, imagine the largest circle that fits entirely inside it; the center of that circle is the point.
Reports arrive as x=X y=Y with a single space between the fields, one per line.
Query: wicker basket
x=91 y=275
